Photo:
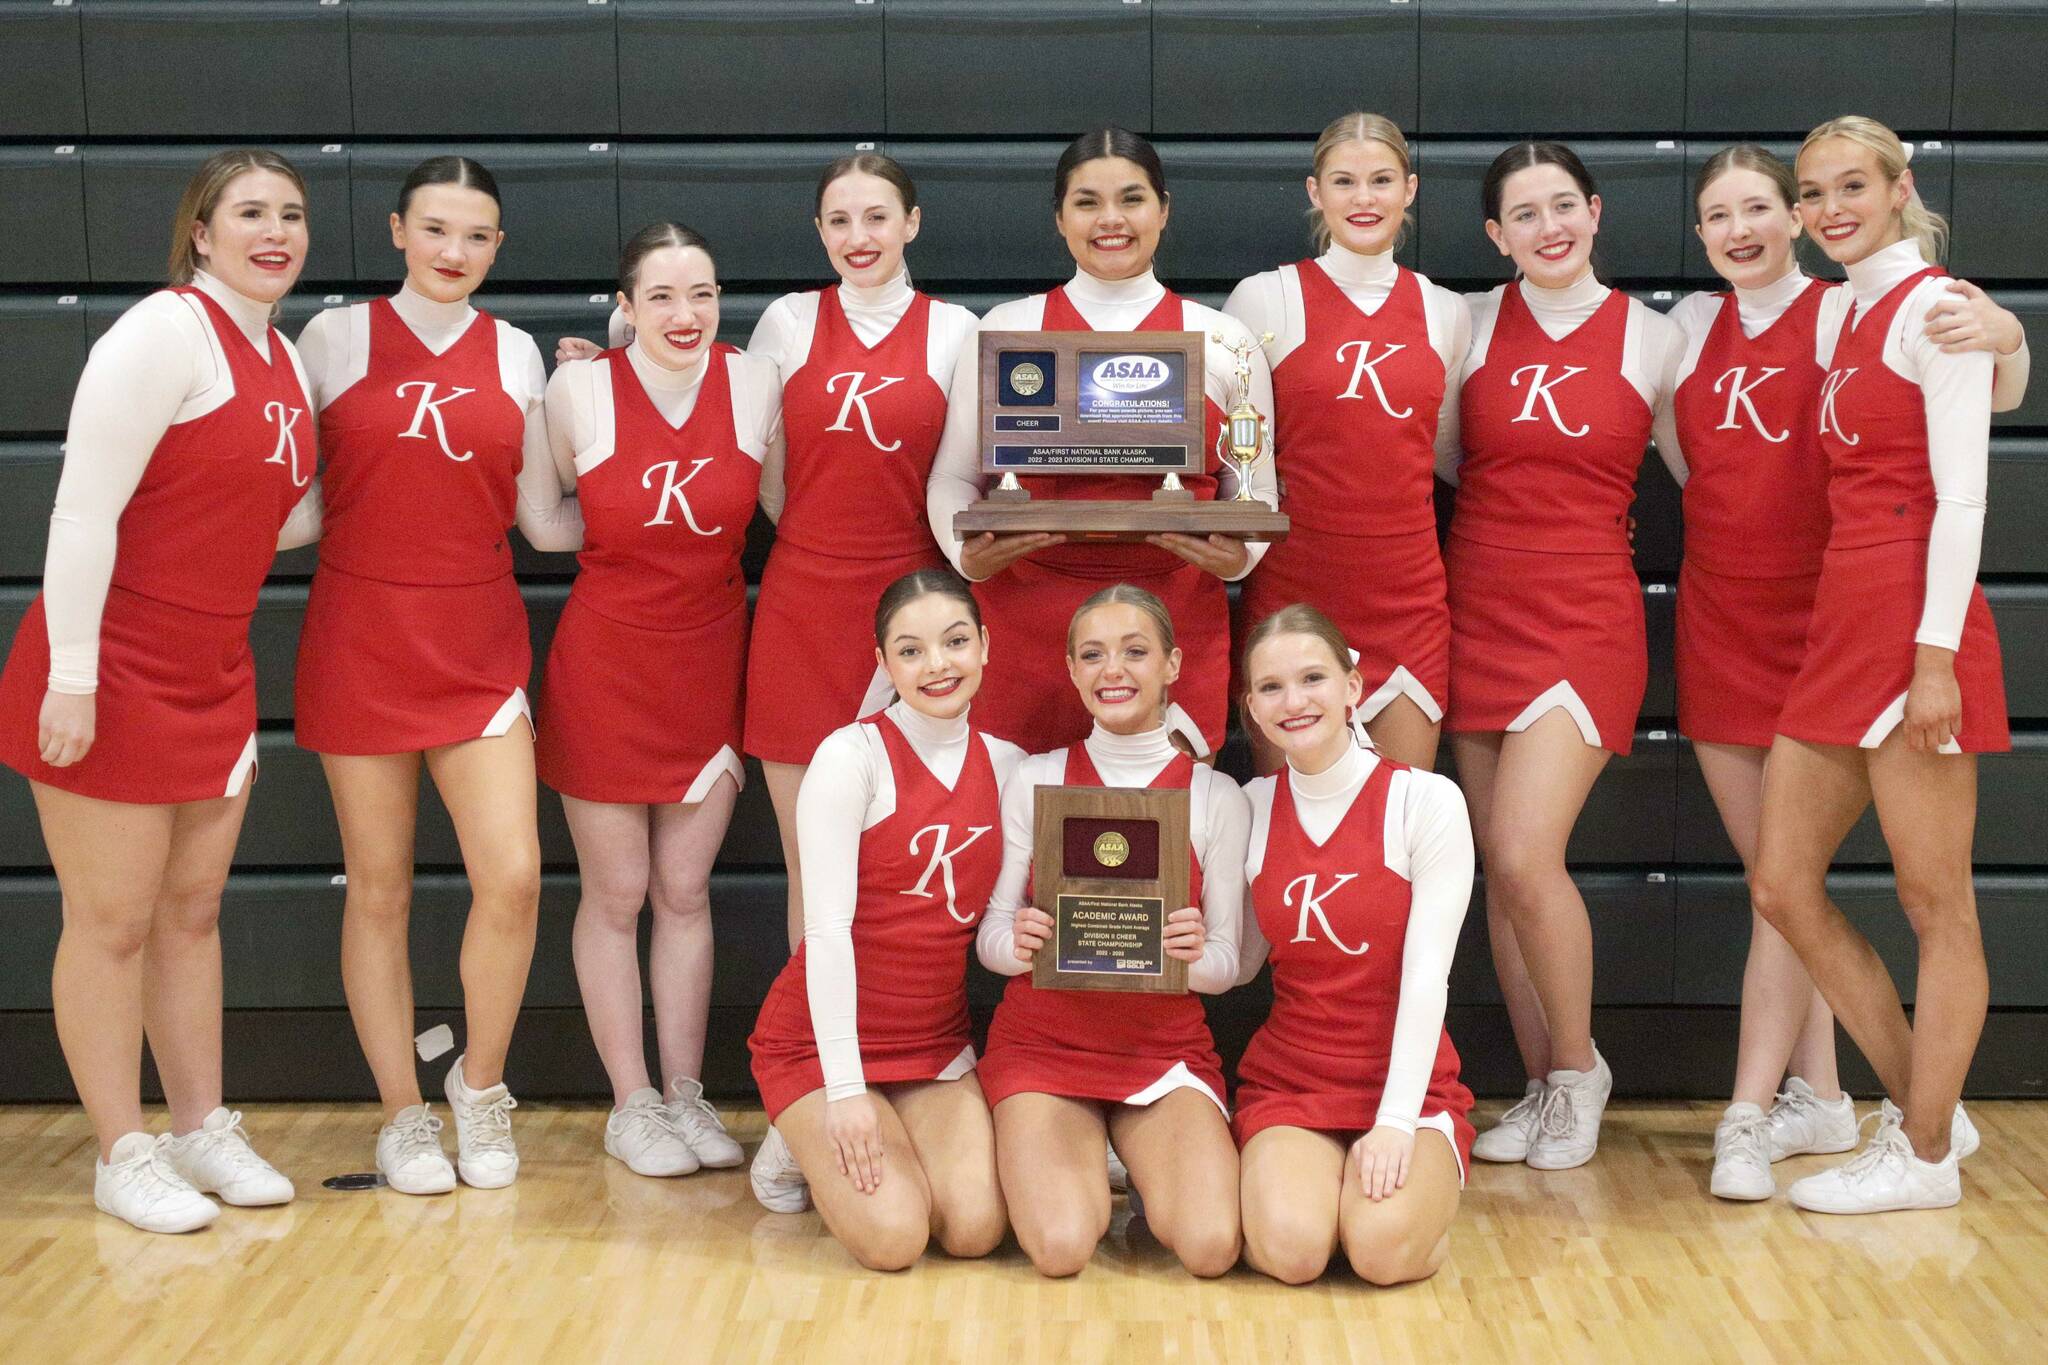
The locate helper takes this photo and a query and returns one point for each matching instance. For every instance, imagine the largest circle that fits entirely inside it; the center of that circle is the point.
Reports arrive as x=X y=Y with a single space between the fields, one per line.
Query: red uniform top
x=1873 y=425
x=423 y=456
x=665 y=516
x=1756 y=488
x=1336 y=955
x=1553 y=435
x=201 y=528
x=862 y=424
x=1097 y=559
x=1117 y=1022
x=1364 y=467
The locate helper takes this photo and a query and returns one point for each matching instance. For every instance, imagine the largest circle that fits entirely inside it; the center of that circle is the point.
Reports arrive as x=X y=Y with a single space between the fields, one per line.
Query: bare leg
x=954 y=1141
x=1183 y=1162
x=376 y=801
x=1049 y=1159
x=685 y=843
x=181 y=990
x=1405 y=734
x=1291 y=1181
x=1478 y=764
x=110 y=859
x=612 y=859
x=783 y=781
x=885 y=1229
x=1407 y=1235
x=489 y=788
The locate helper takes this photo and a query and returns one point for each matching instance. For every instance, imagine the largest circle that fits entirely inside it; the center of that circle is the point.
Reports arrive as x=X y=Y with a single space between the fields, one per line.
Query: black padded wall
x=600 y=116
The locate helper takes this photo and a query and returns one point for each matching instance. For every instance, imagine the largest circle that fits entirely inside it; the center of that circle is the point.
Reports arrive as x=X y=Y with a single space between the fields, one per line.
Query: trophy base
x=1121 y=521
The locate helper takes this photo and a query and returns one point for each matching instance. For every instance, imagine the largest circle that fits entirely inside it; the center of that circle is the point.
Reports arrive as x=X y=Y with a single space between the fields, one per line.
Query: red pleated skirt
x=1740 y=643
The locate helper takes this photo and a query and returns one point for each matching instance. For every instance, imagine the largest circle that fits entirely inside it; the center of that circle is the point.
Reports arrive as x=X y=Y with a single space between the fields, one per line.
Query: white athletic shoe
x=777 y=1180
x=1568 y=1124
x=1802 y=1122
x=643 y=1136
x=1963 y=1139
x=1509 y=1138
x=698 y=1123
x=409 y=1154
x=1742 y=1162
x=216 y=1158
x=140 y=1188
x=484 y=1151
x=1884 y=1176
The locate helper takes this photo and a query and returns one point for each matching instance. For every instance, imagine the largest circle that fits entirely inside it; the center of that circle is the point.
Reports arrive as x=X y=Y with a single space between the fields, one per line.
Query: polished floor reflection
x=1628 y=1259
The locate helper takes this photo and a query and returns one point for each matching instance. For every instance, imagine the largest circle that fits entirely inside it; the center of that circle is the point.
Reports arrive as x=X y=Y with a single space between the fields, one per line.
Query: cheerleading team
x=1743 y=434
x=1110 y=206
x=415 y=650
x=639 y=729
x=1900 y=686
x=128 y=699
x=1350 y=1111
x=1363 y=353
x=863 y=1053
x=1063 y=1069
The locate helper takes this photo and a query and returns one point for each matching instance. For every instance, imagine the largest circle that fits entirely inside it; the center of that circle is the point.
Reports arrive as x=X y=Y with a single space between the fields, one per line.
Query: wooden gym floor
x=1628 y=1259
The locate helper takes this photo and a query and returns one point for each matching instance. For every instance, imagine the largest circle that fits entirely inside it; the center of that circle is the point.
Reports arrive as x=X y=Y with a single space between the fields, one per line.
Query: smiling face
x=1547 y=224
x=1301 y=698
x=1122 y=668
x=450 y=237
x=1111 y=218
x=865 y=228
x=674 y=306
x=1847 y=204
x=255 y=240
x=934 y=655
x=1747 y=228
x=1362 y=192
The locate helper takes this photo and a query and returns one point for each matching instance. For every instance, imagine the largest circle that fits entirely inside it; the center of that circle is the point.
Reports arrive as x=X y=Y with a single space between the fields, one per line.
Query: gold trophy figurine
x=1249 y=436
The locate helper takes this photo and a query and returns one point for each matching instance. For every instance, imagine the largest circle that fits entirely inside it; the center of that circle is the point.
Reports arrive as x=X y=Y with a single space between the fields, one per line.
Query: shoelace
x=416 y=1133
x=1886 y=1150
x=231 y=1144
x=649 y=1116
x=1522 y=1111
x=1747 y=1136
x=1559 y=1117
x=489 y=1126
x=153 y=1175
x=1792 y=1106
x=694 y=1115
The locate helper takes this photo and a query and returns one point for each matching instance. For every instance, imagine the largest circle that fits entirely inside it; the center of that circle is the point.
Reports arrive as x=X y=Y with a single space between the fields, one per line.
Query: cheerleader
x=1741 y=432
x=415 y=649
x=899 y=815
x=1360 y=351
x=1065 y=1069
x=1901 y=684
x=1350 y=1112
x=1548 y=656
x=640 y=704
x=128 y=699
x=1110 y=205
x=864 y=368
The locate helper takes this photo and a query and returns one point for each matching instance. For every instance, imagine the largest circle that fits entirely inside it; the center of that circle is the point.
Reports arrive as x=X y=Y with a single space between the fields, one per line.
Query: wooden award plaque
x=1067 y=404
x=1110 y=864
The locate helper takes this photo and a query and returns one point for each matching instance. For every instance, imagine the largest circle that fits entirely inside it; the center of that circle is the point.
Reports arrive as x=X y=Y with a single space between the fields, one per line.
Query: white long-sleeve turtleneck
x=787 y=329
x=580 y=421
x=336 y=348
x=848 y=789
x=158 y=365
x=1108 y=306
x=1219 y=822
x=1651 y=348
x=1427 y=838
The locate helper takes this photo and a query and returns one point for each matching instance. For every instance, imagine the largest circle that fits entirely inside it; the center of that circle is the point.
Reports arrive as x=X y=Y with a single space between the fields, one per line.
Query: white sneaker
x=1742 y=1162
x=139 y=1187
x=484 y=1151
x=1802 y=1122
x=777 y=1180
x=1568 y=1125
x=1882 y=1177
x=643 y=1136
x=698 y=1123
x=1509 y=1138
x=1963 y=1138
x=216 y=1158
x=409 y=1154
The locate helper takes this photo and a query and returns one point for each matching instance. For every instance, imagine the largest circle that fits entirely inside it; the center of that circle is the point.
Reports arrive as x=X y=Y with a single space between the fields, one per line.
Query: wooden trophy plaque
x=1080 y=404
x=1110 y=864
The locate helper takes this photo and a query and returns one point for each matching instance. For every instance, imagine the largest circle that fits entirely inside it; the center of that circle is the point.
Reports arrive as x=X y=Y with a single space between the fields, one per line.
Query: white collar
x=1880 y=272
x=1146 y=746
x=1586 y=291
x=655 y=375
x=924 y=729
x=251 y=315
x=1351 y=768
x=1086 y=288
x=1348 y=267
x=888 y=296
x=423 y=314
